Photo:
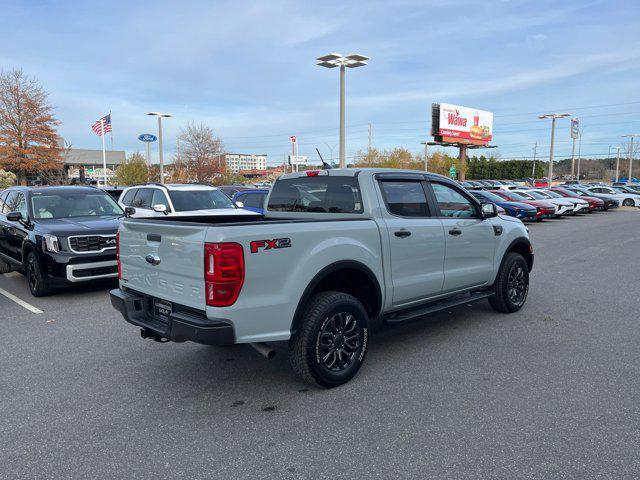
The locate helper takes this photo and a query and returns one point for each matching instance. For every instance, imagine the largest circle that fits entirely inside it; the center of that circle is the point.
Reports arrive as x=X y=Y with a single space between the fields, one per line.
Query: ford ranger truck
x=335 y=250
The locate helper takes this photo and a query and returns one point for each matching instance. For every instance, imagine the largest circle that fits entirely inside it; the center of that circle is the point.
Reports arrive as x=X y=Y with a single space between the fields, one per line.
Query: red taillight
x=313 y=173
x=118 y=255
x=223 y=273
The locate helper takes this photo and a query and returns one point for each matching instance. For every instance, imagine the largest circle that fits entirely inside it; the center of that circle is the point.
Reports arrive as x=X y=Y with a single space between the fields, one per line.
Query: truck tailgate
x=179 y=275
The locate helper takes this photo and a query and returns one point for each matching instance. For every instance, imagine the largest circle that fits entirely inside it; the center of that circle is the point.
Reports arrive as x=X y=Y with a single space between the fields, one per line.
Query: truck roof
x=354 y=172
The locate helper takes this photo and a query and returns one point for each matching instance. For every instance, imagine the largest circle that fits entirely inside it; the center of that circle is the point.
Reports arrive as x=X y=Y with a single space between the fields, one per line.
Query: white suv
x=177 y=200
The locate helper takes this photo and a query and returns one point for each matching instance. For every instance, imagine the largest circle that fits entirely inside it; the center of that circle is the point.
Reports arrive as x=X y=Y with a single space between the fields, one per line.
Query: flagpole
x=104 y=153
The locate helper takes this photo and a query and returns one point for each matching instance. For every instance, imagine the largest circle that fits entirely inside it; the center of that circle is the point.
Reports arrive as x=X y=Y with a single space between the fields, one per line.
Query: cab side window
x=452 y=203
x=405 y=198
x=3 y=196
x=10 y=202
x=128 y=197
x=253 y=200
x=159 y=198
x=21 y=205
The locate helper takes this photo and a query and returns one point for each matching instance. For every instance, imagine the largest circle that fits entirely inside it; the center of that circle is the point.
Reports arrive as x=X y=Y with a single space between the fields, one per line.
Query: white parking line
x=20 y=302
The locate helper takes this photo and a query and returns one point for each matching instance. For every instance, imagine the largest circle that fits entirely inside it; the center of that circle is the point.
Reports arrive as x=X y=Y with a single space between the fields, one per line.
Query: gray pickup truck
x=335 y=250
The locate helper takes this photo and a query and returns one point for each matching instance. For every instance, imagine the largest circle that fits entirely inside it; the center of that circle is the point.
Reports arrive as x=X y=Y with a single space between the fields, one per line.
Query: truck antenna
x=325 y=165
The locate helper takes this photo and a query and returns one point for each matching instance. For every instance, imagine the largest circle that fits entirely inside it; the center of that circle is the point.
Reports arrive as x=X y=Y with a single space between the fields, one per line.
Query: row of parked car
x=531 y=203
x=65 y=235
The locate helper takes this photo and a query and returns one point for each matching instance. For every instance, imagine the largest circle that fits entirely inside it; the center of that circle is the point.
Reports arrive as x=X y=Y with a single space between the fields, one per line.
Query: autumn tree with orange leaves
x=28 y=136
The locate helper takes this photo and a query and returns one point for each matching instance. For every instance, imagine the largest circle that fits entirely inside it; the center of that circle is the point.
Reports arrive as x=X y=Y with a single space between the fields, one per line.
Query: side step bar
x=437 y=306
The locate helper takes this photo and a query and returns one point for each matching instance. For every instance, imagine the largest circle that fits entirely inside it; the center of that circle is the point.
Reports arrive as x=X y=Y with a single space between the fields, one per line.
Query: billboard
x=457 y=124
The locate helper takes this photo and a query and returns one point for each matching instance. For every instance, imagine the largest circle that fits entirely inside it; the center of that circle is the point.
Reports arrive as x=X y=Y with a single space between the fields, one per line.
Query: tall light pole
x=553 y=117
x=160 y=117
x=333 y=60
x=580 y=150
x=426 y=159
x=631 y=136
x=617 y=147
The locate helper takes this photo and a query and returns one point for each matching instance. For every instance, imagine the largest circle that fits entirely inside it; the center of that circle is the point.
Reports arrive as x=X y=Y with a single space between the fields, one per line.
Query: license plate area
x=162 y=310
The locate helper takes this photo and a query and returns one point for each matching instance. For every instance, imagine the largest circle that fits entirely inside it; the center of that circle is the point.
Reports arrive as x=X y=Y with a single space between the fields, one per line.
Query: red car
x=594 y=203
x=541 y=182
x=543 y=209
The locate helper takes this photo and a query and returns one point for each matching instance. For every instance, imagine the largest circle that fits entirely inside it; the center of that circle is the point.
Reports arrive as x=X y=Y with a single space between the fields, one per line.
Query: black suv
x=58 y=236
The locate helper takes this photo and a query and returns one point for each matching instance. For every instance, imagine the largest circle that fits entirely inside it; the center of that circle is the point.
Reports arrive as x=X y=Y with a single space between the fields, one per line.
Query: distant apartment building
x=236 y=162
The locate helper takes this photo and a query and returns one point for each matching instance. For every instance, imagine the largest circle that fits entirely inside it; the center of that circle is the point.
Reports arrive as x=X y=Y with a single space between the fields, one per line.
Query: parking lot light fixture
x=553 y=117
x=334 y=60
x=160 y=117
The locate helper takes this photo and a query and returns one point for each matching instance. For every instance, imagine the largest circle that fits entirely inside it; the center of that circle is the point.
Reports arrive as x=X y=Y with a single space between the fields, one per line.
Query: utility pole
x=533 y=170
x=580 y=151
x=369 y=138
x=631 y=136
x=426 y=158
x=617 y=162
x=573 y=158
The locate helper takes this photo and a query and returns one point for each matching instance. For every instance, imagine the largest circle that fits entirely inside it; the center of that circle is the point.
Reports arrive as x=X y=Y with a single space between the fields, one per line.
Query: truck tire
x=38 y=282
x=512 y=284
x=5 y=267
x=331 y=343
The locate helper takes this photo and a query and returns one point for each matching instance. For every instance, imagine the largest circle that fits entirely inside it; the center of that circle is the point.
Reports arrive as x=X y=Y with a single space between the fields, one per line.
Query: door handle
x=402 y=233
x=455 y=232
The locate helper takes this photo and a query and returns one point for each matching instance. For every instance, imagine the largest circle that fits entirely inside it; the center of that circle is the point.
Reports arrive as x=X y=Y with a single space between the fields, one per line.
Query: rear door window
x=320 y=194
x=405 y=198
x=128 y=197
x=143 y=198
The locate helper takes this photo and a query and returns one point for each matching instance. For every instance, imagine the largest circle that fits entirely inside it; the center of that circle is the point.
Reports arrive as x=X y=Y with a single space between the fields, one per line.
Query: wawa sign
x=456 y=124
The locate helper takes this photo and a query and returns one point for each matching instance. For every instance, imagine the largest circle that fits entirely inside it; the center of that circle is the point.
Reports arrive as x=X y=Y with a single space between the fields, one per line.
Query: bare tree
x=201 y=153
x=28 y=136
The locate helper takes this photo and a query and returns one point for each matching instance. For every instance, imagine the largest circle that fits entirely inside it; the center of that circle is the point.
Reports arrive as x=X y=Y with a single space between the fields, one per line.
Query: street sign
x=147 y=137
x=298 y=160
x=452 y=172
x=293 y=139
x=575 y=128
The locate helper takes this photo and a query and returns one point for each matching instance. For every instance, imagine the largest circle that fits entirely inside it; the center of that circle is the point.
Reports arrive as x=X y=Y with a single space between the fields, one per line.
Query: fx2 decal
x=256 y=245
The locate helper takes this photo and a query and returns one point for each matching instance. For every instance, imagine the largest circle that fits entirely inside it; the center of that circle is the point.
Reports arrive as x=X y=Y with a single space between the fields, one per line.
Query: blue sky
x=247 y=69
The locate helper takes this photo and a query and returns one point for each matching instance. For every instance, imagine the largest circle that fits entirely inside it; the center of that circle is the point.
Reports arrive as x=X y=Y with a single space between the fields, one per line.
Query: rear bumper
x=184 y=324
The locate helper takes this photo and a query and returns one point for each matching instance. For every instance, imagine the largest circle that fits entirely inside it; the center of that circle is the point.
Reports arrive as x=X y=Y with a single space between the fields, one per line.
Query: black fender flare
x=522 y=241
x=322 y=274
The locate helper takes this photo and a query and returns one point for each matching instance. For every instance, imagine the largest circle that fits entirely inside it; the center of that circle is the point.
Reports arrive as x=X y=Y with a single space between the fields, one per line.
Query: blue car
x=514 y=209
x=252 y=199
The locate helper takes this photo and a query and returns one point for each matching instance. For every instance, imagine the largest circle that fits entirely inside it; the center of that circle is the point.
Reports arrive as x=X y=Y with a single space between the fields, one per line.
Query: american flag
x=97 y=127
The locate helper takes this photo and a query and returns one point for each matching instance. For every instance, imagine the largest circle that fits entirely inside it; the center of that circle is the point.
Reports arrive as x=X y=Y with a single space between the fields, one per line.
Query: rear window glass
x=321 y=194
x=188 y=200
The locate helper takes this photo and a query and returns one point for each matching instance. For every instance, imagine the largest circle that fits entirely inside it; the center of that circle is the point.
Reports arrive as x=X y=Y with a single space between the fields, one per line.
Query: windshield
x=188 y=200
x=538 y=196
x=517 y=196
x=526 y=196
x=73 y=204
x=552 y=194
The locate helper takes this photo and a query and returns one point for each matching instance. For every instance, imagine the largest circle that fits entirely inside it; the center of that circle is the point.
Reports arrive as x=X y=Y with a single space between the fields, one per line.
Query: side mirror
x=14 y=216
x=129 y=211
x=160 y=208
x=489 y=210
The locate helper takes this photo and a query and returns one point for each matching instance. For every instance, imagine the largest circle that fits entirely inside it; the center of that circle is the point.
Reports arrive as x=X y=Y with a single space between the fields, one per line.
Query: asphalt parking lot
x=552 y=391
